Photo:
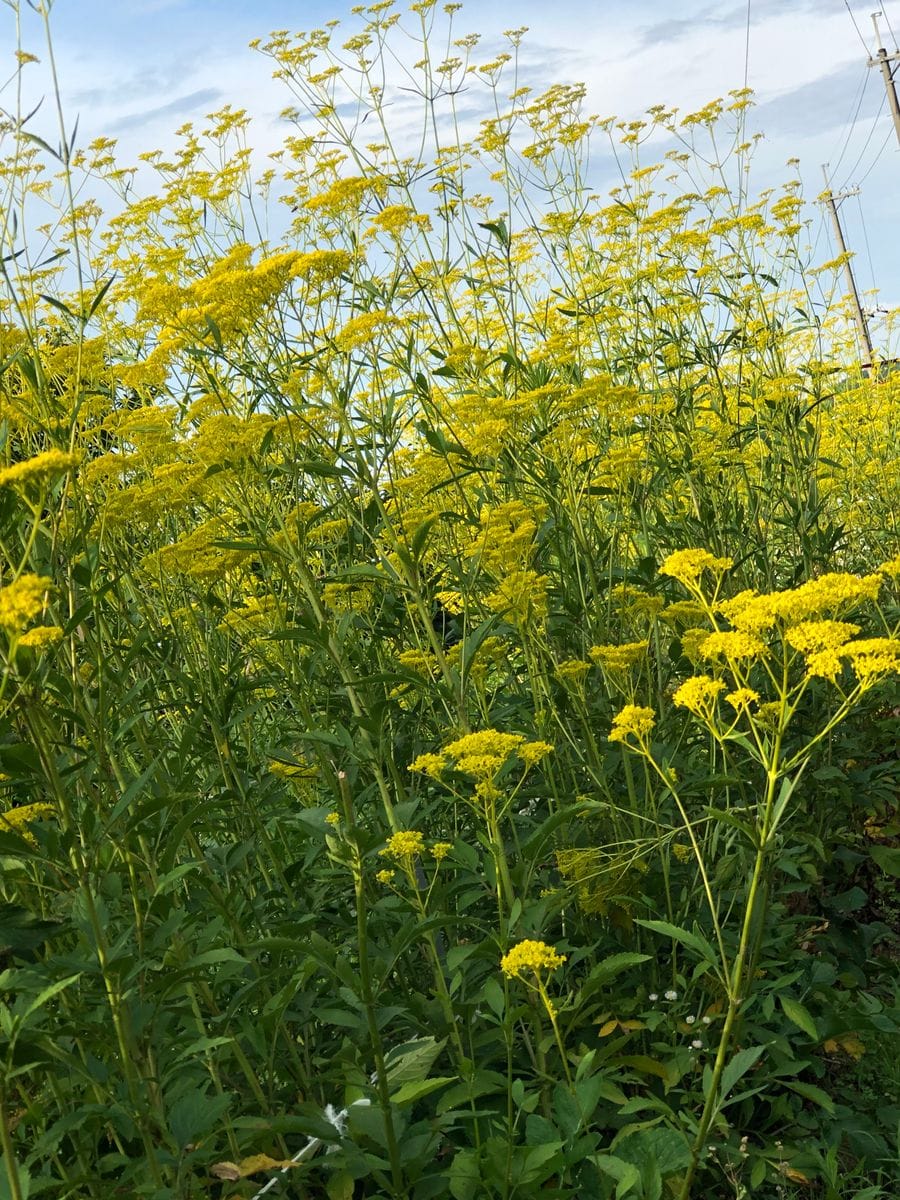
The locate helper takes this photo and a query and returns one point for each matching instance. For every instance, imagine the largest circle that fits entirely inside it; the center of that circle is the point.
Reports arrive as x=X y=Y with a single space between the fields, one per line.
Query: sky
x=137 y=69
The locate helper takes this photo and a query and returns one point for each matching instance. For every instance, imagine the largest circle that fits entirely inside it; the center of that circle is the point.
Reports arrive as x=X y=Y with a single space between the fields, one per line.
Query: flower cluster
x=532 y=957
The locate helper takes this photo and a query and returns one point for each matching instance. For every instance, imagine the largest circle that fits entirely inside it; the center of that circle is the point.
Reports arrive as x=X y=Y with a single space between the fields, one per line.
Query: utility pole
x=833 y=201
x=883 y=59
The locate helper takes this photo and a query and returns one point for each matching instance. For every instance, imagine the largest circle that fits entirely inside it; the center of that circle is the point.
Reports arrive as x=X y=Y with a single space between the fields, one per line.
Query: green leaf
x=410 y=1092
x=20 y=1173
x=784 y=795
x=736 y=1068
x=473 y=640
x=626 y=1174
x=340 y=1186
x=21 y=931
x=799 y=1016
x=888 y=858
x=195 y=1114
x=494 y=997
x=608 y=968
x=566 y=1111
x=811 y=1092
x=692 y=940
x=465 y=1176
x=98 y=299
x=47 y=994
x=411 y=1062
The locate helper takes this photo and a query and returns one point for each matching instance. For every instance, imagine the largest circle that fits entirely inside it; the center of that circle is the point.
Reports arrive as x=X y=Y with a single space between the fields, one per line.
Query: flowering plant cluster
x=448 y=625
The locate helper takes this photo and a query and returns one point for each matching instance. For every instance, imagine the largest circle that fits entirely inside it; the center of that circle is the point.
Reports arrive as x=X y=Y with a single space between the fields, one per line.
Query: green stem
x=368 y=993
x=9 y=1155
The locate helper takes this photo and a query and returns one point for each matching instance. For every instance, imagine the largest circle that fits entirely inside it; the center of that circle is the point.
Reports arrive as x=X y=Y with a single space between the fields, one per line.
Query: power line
x=852 y=121
x=887 y=21
x=862 y=221
x=874 y=161
x=855 y=26
x=862 y=152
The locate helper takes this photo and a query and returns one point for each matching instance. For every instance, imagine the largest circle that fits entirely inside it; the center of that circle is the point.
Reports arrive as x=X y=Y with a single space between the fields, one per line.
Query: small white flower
x=653 y=997
x=697 y=1044
x=690 y=1020
x=707 y=1020
x=671 y=994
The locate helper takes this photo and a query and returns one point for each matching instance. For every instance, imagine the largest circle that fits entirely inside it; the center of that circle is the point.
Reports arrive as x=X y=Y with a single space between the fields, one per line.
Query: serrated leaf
x=737 y=1067
x=799 y=1016
x=411 y=1062
x=410 y=1092
x=464 y=1175
x=811 y=1092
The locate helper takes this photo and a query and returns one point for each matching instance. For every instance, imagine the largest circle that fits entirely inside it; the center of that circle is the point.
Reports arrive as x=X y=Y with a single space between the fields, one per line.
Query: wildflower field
x=448 y=739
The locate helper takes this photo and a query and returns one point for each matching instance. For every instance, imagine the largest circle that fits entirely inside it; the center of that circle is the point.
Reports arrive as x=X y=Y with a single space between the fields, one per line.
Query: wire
x=887 y=20
x=852 y=121
x=862 y=152
x=874 y=161
x=865 y=234
x=855 y=26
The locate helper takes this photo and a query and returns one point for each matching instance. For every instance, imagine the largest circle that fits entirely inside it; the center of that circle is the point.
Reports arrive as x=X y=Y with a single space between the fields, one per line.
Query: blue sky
x=137 y=69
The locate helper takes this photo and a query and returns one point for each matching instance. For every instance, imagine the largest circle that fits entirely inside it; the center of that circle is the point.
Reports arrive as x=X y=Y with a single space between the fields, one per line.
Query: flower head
x=632 y=721
x=403 y=846
x=38 y=469
x=733 y=645
x=530 y=956
x=619 y=658
x=21 y=602
x=698 y=695
x=688 y=565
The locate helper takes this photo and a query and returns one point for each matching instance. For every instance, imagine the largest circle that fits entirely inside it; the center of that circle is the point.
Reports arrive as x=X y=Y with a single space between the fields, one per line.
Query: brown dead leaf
x=250 y=1166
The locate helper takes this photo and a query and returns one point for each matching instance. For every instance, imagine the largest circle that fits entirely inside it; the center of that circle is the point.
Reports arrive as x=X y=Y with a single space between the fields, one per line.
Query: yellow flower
x=824 y=664
x=451 y=602
x=22 y=601
x=572 y=670
x=361 y=330
x=41 y=637
x=691 y=641
x=732 y=645
x=619 y=658
x=321 y=265
x=698 y=694
x=872 y=658
x=742 y=698
x=38 y=469
x=829 y=593
x=333 y=819
x=532 y=752
x=632 y=721
x=18 y=819
x=440 y=850
x=385 y=877
x=811 y=636
x=688 y=565
x=683 y=612
x=530 y=956
x=429 y=764
x=404 y=846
